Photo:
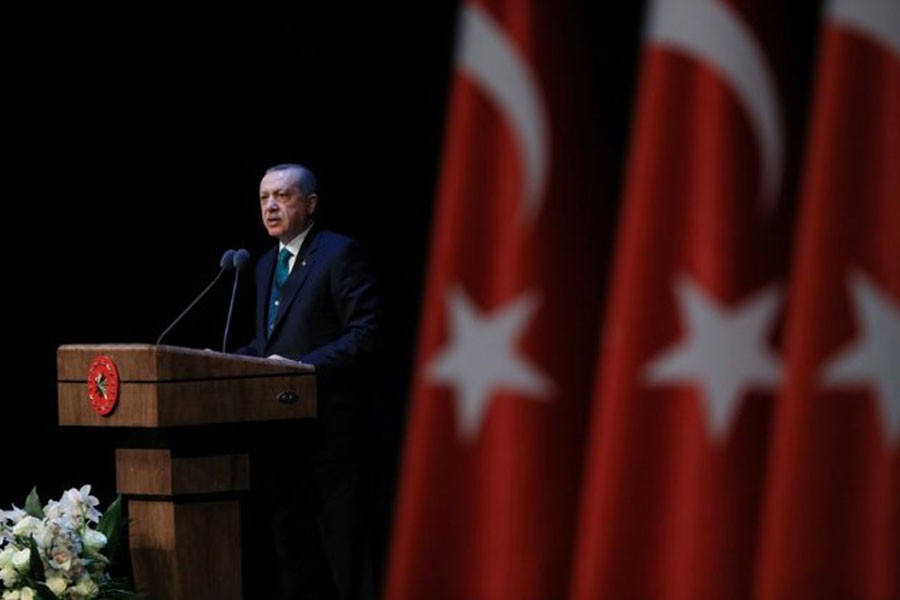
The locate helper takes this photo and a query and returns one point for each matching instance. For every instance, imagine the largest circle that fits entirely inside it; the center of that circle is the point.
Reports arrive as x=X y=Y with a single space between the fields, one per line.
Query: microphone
x=226 y=263
x=241 y=258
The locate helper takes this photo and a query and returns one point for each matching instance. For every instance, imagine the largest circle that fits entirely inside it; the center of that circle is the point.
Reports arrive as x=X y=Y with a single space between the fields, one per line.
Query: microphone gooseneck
x=226 y=263
x=241 y=259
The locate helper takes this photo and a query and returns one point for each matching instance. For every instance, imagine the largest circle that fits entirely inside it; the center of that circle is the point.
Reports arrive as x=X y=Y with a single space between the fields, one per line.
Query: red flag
x=678 y=440
x=832 y=517
x=505 y=359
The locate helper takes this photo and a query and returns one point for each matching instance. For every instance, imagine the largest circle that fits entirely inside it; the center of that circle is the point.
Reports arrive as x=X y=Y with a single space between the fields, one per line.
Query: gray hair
x=306 y=182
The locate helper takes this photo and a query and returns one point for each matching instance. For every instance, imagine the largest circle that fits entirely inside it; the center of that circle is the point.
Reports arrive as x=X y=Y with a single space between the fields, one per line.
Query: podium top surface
x=145 y=385
x=152 y=363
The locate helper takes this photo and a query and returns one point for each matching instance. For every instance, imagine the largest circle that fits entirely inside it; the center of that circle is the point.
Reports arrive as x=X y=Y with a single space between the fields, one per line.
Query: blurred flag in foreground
x=832 y=519
x=689 y=365
x=491 y=465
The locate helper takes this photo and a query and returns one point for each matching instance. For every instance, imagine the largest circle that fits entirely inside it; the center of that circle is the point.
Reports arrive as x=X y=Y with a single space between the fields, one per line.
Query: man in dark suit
x=316 y=304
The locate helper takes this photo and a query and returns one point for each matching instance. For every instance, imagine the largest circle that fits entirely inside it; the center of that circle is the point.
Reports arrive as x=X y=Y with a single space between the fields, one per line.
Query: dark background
x=135 y=144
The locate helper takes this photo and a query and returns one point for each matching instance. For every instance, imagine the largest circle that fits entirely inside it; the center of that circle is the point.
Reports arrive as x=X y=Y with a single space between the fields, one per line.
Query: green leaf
x=96 y=563
x=43 y=592
x=33 y=504
x=118 y=588
x=118 y=594
x=110 y=525
x=35 y=566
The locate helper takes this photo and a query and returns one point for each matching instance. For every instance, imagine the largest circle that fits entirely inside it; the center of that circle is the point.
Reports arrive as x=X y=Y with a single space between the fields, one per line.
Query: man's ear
x=312 y=201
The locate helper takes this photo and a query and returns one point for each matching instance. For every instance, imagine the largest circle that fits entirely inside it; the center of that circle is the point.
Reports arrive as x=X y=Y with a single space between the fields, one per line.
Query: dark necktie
x=282 y=271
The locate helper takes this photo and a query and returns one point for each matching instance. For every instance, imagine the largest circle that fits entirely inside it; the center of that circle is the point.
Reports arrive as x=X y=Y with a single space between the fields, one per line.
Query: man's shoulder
x=332 y=238
x=334 y=243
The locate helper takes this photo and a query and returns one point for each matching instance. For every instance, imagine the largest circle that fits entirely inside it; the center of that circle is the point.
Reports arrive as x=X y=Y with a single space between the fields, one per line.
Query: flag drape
x=689 y=361
x=832 y=518
x=492 y=458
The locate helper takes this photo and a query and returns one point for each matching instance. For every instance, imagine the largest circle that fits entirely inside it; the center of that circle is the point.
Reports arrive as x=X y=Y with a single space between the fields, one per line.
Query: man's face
x=285 y=212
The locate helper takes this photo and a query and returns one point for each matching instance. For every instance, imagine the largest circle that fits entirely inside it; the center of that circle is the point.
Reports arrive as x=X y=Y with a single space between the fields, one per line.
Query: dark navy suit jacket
x=328 y=317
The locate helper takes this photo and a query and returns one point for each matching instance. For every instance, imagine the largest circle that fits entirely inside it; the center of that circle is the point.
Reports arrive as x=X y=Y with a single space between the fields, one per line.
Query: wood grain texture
x=147 y=362
x=189 y=548
x=164 y=386
x=156 y=472
x=189 y=551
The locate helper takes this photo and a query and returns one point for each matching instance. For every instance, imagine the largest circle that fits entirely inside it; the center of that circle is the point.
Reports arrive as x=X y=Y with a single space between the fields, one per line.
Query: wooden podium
x=184 y=514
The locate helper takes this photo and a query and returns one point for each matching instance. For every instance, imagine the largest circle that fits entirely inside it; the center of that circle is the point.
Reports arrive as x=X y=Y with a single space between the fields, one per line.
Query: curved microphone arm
x=190 y=306
x=226 y=263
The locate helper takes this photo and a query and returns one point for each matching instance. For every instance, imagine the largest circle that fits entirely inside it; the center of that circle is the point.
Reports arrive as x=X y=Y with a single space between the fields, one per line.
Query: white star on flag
x=873 y=359
x=725 y=352
x=480 y=358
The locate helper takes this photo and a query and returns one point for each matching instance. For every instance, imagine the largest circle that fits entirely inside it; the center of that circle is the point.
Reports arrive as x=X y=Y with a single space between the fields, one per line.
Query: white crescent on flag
x=710 y=32
x=491 y=59
x=877 y=19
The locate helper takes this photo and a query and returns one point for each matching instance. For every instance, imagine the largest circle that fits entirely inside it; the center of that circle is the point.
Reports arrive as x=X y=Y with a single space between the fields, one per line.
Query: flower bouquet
x=61 y=551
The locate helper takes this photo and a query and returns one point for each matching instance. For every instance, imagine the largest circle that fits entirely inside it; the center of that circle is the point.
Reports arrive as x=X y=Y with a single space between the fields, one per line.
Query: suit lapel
x=302 y=266
x=263 y=278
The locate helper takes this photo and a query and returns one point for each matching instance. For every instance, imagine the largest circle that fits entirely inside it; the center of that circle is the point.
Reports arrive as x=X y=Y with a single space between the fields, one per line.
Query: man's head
x=287 y=200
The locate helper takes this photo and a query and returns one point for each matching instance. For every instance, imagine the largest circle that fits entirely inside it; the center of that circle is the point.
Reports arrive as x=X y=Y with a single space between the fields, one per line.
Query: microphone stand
x=226 y=263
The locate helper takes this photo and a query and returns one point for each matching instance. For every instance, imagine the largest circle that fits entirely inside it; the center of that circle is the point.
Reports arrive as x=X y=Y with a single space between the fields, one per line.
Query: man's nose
x=271 y=204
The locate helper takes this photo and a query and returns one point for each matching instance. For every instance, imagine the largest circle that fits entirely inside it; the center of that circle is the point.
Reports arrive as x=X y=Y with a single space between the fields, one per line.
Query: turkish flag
x=504 y=366
x=689 y=365
x=832 y=511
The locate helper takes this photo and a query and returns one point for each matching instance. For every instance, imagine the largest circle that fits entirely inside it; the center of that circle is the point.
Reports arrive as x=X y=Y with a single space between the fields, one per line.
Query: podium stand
x=184 y=531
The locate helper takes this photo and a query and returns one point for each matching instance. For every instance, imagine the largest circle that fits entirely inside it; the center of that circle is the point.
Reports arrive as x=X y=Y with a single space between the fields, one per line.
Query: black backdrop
x=135 y=151
x=135 y=144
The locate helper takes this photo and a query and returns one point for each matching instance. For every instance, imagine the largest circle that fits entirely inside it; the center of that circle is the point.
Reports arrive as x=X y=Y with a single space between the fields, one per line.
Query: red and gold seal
x=103 y=385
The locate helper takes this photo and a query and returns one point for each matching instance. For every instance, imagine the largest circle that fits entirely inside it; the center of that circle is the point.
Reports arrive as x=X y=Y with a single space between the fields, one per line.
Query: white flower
x=53 y=510
x=80 y=502
x=57 y=584
x=26 y=526
x=86 y=587
x=61 y=559
x=9 y=576
x=43 y=536
x=94 y=540
x=65 y=542
x=12 y=515
x=21 y=559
